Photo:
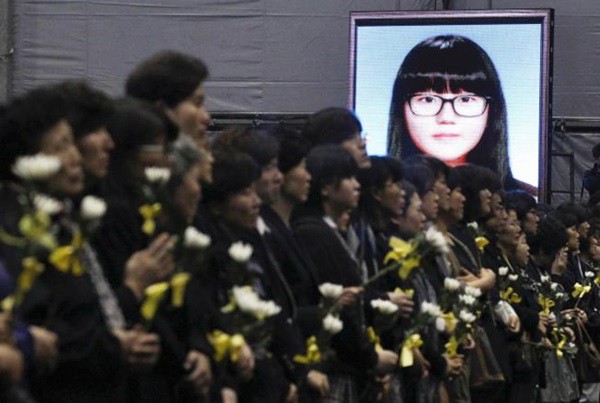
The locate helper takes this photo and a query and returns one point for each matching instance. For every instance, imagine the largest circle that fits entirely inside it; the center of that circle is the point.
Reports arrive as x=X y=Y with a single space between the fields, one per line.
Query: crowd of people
x=142 y=260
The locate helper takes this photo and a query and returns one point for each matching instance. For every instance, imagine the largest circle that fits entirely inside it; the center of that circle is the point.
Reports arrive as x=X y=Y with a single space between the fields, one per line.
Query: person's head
x=172 y=81
x=382 y=194
x=140 y=138
x=423 y=178
x=521 y=252
x=232 y=194
x=473 y=181
x=35 y=123
x=440 y=172
x=293 y=149
x=412 y=221
x=334 y=185
x=525 y=206
x=447 y=101
x=569 y=220
x=184 y=186
x=264 y=148
x=549 y=240
x=338 y=126
x=583 y=216
x=89 y=112
x=498 y=216
x=509 y=233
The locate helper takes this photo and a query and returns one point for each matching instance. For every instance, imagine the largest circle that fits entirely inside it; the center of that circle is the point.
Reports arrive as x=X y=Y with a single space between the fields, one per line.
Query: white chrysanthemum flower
x=554 y=286
x=330 y=290
x=430 y=309
x=385 y=307
x=544 y=279
x=437 y=239
x=440 y=324
x=473 y=225
x=157 y=174
x=559 y=295
x=195 y=239
x=467 y=299
x=590 y=274
x=513 y=277
x=451 y=284
x=266 y=309
x=466 y=316
x=240 y=252
x=92 y=208
x=36 y=167
x=475 y=292
x=47 y=204
x=332 y=324
x=503 y=271
x=246 y=299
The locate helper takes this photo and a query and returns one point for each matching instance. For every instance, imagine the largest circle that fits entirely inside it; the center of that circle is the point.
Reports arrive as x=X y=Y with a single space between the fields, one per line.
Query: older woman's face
x=413 y=221
x=446 y=135
x=188 y=193
x=95 y=149
x=58 y=141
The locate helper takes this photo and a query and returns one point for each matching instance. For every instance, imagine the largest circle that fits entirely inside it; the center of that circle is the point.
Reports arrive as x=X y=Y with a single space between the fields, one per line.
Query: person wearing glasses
x=447 y=102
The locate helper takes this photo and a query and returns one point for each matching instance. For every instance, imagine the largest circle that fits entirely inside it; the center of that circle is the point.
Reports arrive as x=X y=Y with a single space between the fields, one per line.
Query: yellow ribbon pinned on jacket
x=481 y=242
x=400 y=250
x=225 y=344
x=32 y=268
x=546 y=303
x=407 y=355
x=154 y=295
x=409 y=291
x=149 y=213
x=35 y=227
x=580 y=290
x=450 y=321
x=313 y=354
x=178 y=283
x=67 y=258
x=452 y=346
x=374 y=338
x=510 y=295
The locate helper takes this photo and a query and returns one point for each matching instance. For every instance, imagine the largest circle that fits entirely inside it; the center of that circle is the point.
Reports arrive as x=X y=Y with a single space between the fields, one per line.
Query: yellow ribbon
x=409 y=291
x=452 y=346
x=66 y=257
x=154 y=294
x=225 y=344
x=374 y=338
x=313 y=354
x=580 y=290
x=561 y=344
x=32 y=268
x=408 y=265
x=400 y=250
x=481 y=242
x=178 y=283
x=450 y=320
x=407 y=356
x=35 y=227
x=546 y=303
x=149 y=213
x=510 y=295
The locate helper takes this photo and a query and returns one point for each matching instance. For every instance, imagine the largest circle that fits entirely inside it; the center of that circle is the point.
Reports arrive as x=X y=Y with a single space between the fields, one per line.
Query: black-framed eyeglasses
x=463 y=105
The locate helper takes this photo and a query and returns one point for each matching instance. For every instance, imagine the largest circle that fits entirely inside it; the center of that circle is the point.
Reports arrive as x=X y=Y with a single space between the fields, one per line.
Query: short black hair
x=581 y=212
x=328 y=165
x=420 y=175
x=233 y=171
x=89 y=108
x=409 y=190
x=167 y=76
x=519 y=201
x=551 y=236
x=293 y=148
x=23 y=123
x=332 y=126
x=471 y=179
x=439 y=168
x=261 y=146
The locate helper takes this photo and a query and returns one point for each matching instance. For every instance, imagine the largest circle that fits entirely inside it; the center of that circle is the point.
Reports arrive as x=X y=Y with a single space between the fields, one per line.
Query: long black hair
x=456 y=63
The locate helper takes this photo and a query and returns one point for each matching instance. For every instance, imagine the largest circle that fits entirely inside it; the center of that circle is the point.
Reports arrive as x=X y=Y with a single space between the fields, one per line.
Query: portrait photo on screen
x=462 y=92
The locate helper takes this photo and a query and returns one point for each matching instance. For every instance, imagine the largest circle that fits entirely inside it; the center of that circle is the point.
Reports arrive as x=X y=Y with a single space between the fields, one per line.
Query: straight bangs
x=476 y=82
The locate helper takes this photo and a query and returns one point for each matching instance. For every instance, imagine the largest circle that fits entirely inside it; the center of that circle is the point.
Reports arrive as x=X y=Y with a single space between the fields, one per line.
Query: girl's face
x=530 y=223
x=573 y=242
x=414 y=220
x=344 y=195
x=446 y=135
x=509 y=234
x=58 y=141
x=485 y=198
x=296 y=183
x=391 y=197
x=522 y=252
x=443 y=191
x=243 y=208
x=187 y=195
x=430 y=204
x=457 y=203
